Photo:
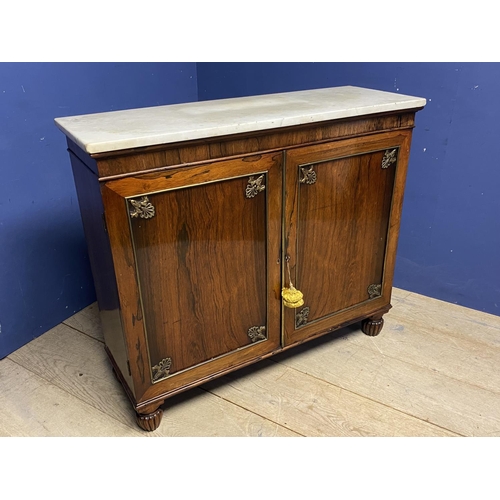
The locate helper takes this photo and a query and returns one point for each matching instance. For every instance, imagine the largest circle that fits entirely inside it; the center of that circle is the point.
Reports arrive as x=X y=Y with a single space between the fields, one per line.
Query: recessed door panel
x=342 y=232
x=201 y=263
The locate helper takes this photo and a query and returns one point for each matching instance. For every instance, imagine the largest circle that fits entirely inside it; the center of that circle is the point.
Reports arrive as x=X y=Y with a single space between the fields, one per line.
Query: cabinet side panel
x=92 y=211
x=82 y=155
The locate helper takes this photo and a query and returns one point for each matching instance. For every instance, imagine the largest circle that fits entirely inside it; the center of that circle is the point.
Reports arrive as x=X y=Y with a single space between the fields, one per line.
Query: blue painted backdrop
x=44 y=269
x=450 y=235
x=449 y=246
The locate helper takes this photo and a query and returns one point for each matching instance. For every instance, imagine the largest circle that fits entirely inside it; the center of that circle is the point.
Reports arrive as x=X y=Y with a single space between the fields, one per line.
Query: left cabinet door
x=196 y=252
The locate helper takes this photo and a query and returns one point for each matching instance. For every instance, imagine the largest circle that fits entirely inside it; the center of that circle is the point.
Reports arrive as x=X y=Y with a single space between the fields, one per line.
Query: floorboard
x=314 y=407
x=77 y=364
x=31 y=406
x=87 y=321
x=431 y=372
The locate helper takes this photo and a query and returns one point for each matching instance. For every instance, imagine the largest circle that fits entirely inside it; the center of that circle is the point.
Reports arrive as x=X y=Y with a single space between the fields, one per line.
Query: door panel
x=339 y=199
x=342 y=231
x=202 y=270
x=197 y=249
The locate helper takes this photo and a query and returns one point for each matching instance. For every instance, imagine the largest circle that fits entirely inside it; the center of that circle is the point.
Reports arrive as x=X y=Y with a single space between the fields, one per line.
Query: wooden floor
x=433 y=371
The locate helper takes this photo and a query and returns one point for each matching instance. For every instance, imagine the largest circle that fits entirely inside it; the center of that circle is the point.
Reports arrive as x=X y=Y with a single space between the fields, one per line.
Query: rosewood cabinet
x=197 y=223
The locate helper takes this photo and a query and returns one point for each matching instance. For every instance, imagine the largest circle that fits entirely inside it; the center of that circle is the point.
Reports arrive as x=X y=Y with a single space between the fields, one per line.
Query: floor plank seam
x=372 y=400
x=253 y=412
x=464 y=381
x=71 y=394
x=84 y=333
x=432 y=370
x=393 y=298
x=435 y=370
x=441 y=333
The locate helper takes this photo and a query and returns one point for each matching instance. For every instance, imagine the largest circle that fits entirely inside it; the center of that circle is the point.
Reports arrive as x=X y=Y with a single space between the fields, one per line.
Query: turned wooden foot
x=372 y=326
x=149 y=421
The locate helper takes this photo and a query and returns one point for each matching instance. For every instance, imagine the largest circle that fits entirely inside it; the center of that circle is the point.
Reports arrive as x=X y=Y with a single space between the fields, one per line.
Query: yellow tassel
x=292 y=297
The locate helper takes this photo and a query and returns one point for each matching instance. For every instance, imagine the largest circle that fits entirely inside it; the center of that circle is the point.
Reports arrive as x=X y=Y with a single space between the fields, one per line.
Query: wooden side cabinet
x=197 y=223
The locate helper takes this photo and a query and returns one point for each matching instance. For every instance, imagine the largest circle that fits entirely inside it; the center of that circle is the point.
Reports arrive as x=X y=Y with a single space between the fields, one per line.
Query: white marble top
x=133 y=128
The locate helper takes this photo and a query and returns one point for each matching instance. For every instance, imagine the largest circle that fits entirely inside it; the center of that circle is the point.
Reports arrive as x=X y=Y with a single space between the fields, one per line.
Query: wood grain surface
x=341 y=231
x=120 y=163
x=201 y=272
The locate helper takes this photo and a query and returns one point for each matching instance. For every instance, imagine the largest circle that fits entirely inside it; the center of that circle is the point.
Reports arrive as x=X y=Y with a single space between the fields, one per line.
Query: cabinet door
x=343 y=205
x=196 y=252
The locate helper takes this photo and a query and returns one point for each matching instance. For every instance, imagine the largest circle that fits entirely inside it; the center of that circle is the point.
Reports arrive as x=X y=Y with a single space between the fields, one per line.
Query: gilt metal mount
x=308 y=175
x=142 y=208
x=390 y=157
x=161 y=370
x=257 y=333
x=301 y=317
x=374 y=290
x=255 y=186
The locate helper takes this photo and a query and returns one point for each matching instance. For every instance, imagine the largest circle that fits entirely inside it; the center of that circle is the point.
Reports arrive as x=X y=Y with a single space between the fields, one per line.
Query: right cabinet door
x=342 y=210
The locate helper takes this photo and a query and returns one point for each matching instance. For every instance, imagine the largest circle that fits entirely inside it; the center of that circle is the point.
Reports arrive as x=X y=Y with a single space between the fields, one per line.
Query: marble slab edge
x=135 y=128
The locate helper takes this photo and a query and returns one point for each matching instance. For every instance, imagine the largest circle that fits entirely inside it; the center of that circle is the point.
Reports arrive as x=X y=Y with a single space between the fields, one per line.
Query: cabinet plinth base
x=372 y=326
x=149 y=421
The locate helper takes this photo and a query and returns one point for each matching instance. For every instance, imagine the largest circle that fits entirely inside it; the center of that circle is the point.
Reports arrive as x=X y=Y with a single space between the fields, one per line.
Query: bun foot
x=149 y=421
x=372 y=326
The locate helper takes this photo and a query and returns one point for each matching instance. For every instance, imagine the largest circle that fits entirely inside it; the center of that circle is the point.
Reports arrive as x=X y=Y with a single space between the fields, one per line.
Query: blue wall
x=44 y=269
x=449 y=245
x=450 y=235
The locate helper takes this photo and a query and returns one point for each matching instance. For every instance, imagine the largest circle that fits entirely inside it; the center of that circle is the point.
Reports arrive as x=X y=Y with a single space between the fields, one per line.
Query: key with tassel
x=292 y=297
